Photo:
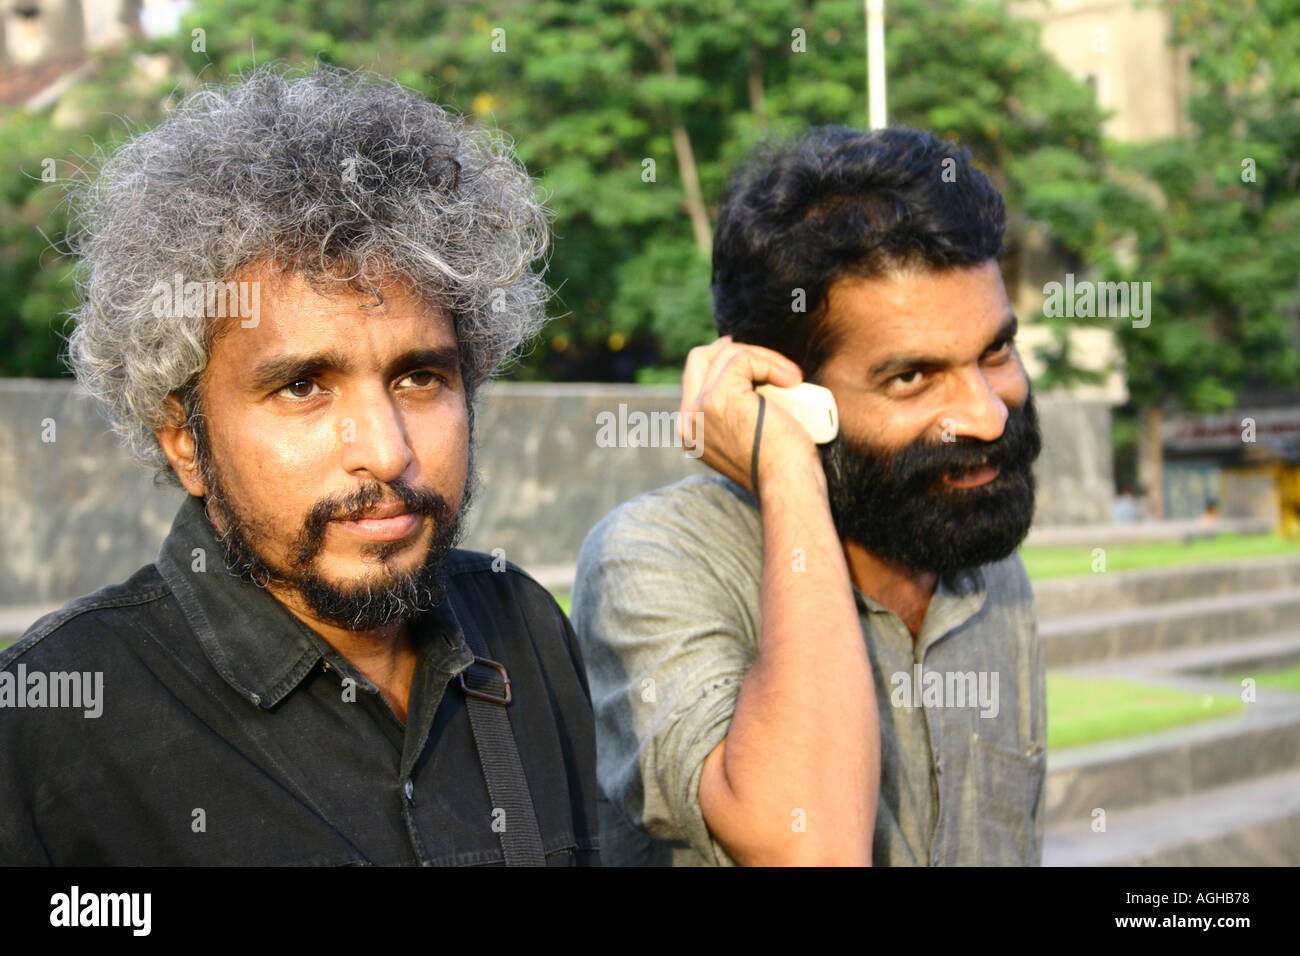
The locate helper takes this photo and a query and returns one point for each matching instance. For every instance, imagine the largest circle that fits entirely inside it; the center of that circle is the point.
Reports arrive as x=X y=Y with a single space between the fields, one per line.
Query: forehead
x=947 y=310
x=292 y=317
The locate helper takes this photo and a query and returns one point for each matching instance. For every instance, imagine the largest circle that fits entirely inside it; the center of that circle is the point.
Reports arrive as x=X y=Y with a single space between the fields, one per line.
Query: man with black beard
x=309 y=672
x=829 y=655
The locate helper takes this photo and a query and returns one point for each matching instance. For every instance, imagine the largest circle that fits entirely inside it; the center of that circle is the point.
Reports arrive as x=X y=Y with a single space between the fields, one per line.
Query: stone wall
x=1075 y=472
x=76 y=514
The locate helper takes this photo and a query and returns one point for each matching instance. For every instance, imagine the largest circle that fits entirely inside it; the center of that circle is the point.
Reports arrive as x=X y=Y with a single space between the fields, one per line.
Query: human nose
x=978 y=411
x=374 y=439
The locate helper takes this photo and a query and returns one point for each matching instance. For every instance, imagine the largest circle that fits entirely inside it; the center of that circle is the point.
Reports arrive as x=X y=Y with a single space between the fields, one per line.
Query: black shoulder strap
x=487 y=694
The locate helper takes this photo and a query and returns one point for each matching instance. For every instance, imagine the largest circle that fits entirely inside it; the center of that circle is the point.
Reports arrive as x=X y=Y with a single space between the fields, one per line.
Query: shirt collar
x=956 y=599
x=255 y=643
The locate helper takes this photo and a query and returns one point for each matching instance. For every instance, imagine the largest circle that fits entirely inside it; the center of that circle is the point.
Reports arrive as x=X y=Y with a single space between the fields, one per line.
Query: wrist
x=791 y=474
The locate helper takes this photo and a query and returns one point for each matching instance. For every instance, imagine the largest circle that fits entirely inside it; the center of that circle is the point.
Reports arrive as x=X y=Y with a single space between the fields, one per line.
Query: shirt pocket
x=1008 y=782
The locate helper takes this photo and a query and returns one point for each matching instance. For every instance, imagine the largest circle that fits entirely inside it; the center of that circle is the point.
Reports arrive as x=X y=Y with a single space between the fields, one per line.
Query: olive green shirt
x=667 y=609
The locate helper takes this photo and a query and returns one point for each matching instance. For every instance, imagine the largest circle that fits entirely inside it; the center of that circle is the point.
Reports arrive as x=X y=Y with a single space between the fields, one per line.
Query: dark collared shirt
x=228 y=732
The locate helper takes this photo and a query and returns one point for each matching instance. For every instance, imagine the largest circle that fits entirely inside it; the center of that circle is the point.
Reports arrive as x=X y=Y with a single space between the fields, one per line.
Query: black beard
x=393 y=596
x=897 y=506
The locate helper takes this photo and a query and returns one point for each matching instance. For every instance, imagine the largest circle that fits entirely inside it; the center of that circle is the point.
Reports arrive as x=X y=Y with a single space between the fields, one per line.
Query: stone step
x=1252 y=823
x=1202 y=667
x=1099 y=635
x=1117 y=775
x=1117 y=590
x=1103 y=535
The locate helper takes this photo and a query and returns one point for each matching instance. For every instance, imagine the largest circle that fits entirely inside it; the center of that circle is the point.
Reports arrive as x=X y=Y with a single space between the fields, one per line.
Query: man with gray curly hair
x=291 y=291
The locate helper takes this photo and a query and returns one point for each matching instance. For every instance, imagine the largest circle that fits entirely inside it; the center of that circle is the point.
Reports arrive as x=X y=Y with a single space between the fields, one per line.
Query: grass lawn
x=1055 y=562
x=1084 y=710
x=1284 y=678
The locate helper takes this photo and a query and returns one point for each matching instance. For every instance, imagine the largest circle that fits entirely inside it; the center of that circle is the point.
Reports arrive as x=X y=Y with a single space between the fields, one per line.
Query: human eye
x=291 y=389
x=434 y=379
x=1001 y=351
x=906 y=384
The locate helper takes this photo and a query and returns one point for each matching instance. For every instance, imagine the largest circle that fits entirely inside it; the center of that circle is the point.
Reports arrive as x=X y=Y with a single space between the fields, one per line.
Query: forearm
x=801 y=758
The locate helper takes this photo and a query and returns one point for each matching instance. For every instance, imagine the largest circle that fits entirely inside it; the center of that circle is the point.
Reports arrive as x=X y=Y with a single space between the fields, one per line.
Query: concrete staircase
x=1223 y=791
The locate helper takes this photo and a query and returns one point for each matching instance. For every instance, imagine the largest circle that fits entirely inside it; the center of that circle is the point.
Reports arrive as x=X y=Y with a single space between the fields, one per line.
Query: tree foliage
x=1221 y=242
x=630 y=114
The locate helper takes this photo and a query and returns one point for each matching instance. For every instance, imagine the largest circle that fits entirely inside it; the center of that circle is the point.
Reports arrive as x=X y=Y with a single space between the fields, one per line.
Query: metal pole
x=876 y=63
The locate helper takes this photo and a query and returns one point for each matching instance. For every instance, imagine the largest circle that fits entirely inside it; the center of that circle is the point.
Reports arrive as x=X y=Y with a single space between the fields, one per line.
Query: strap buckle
x=480 y=694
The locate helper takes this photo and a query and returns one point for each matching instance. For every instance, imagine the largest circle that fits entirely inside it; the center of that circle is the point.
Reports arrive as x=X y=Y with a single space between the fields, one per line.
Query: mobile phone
x=812 y=405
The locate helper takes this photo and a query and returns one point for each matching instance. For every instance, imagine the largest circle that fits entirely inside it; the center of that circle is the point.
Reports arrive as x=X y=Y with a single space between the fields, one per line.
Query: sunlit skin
x=920 y=354
x=389 y=404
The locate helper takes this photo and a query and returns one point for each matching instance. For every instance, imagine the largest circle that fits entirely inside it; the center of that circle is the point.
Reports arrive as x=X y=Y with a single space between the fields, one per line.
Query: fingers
x=744 y=366
x=697 y=367
x=718 y=386
x=693 y=377
x=707 y=365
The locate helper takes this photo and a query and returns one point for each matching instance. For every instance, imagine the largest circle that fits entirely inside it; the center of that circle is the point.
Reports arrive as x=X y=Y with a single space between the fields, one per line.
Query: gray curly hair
x=335 y=170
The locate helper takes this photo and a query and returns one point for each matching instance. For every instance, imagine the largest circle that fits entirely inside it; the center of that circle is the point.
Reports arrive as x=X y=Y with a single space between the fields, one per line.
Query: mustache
x=923 y=463
x=422 y=501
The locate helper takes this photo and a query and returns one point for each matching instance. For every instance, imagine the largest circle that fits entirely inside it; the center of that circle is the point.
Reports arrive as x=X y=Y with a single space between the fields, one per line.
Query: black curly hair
x=838 y=201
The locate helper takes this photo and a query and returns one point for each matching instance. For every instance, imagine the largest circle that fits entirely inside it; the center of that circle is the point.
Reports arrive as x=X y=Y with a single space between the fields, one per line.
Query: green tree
x=594 y=91
x=1221 y=243
x=632 y=113
x=42 y=151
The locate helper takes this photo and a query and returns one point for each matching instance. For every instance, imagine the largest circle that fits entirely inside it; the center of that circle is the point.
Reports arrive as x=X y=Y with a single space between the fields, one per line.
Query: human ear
x=178 y=444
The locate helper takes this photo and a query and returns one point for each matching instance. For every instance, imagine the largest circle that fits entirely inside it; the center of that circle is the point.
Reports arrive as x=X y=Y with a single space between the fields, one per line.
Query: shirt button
x=408 y=788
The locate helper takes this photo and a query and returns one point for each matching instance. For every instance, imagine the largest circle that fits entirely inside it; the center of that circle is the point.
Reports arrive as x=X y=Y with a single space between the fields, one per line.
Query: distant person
x=1124 y=509
x=310 y=673
x=763 y=643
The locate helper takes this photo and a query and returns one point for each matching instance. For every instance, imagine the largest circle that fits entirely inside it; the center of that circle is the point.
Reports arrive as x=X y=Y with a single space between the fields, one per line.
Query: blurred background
x=1155 y=144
